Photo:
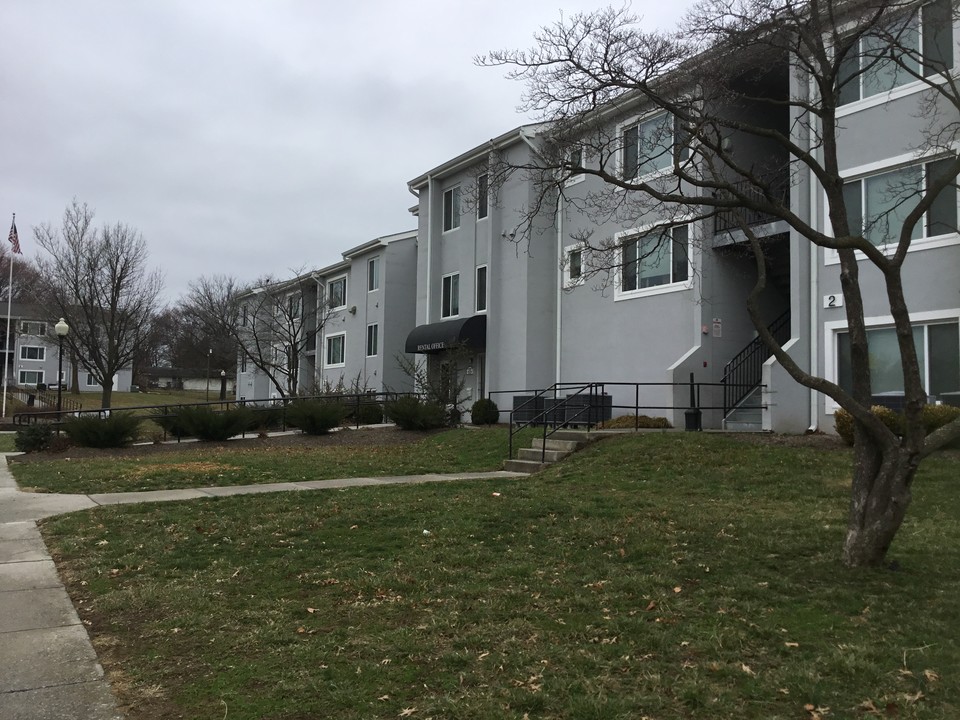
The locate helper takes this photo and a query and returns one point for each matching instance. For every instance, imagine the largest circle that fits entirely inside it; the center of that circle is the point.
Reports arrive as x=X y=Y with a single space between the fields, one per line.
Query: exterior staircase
x=747 y=416
x=545 y=452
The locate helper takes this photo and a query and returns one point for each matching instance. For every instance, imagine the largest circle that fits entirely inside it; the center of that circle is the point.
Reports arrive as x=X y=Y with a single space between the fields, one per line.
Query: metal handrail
x=742 y=375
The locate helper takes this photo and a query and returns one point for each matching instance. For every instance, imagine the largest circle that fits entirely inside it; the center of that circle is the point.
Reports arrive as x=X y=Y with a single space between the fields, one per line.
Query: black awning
x=470 y=333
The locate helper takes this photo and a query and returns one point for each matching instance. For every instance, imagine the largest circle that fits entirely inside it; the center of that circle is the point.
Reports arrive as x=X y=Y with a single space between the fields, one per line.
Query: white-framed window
x=480 y=289
x=31 y=377
x=33 y=352
x=653 y=261
x=294 y=305
x=336 y=349
x=337 y=293
x=451 y=208
x=91 y=381
x=243 y=315
x=922 y=38
x=373 y=274
x=878 y=203
x=936 y=336
x=450 y=295
x=33 y=328
x=573 y=265
x=574 y=158
x=243 y=364
x=652 y=145
x=483 y=196
x=373 y=340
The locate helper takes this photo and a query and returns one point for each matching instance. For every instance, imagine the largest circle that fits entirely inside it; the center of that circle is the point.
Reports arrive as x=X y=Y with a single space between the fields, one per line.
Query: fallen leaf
x=311 y=610
x=677 y=589
x=783 y=691
x=867 y=706
x=931 y=676
x=383 y=698
x=651 y=606
x=354 y=527
x=301 y=629
x=747 y=670
x=791 y=644
x=407 y=712
x=915 y=698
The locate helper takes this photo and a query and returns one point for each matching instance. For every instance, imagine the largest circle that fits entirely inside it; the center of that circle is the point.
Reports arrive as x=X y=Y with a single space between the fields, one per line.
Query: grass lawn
x=6 y=442
x=153 y=397
x=246 y=463
x=658 y=576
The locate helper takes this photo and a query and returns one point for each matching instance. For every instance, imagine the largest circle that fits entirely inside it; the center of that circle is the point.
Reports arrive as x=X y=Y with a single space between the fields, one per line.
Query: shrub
x=370 y=413
x=934 y=418
x=315 y=417
x=118 y=429
x=174 y=423
x=269 y=417
x=206 y=423
x=484 y=412
x=33 y=438
x=629 y=422
x=410 y=413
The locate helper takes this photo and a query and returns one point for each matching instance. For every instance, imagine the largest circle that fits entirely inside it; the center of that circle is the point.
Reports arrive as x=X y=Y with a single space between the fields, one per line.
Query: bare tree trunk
x=879 y=500
x=107 y=396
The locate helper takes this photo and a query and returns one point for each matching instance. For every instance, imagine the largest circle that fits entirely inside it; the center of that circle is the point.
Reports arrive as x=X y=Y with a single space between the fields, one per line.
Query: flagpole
x=6 y=346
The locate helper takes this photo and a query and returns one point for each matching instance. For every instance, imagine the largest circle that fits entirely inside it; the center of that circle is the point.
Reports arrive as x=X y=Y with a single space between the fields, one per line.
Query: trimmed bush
x=629 y=422
x=934 y=418
x=410 y=413
x=370 y=413
x=265 y=418
x=118 y=429
x=205 y=423
x=174 y=423
x=315 y=417
x=484 y=412
x=33 y=438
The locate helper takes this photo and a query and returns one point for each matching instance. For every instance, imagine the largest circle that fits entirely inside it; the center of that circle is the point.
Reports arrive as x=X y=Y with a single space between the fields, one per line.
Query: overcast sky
x=251 y=137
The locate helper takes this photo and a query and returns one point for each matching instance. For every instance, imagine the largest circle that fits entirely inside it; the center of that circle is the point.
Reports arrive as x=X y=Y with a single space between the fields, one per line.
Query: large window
x=335 y=349
x=923 y=37
x=483 y=191
x=373 y=274
x=481 y=288
x=652 y=145
x=31 y=377
x=938 y=353
x=879 y=204
x=451 y=208
x=373 y=332
x=32 y=352
x=450 y=296
x=654 y=259
x=337 y=293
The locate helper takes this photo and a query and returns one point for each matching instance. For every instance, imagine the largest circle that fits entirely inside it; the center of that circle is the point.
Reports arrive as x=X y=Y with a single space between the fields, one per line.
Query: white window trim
x=91 y=381
x=366 y=341
x=443 y=204
x=40 y=373
x=486 y=289
x=42 y=348
x=620 y=237
x=621 y=129
x=346 y=288
x=579 y=177
x=376 y=259
x=487 y=216
x=569 y=282
x=832 y=328
x=326 y=339
x=442 y=278
x=897 y=162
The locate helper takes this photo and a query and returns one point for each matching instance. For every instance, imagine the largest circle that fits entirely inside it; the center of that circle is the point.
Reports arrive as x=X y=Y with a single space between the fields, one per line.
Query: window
x=337 y=293
x=938 y=353
x=573 y=159
x=335 y=350
x=31 y=377
x=37 y=329
x=481 y=288
x=450 y=301
x=654 y=259
x=91 y=380
x=573 y=267
x=372 y=340
x=243 y=364
x=649 y=146
x=451 y=209
x=483 y=190
x=294 y=306
x=32 y=352
x=373 y=274
x=243 y=315
x=923 y=36
x=879 y=204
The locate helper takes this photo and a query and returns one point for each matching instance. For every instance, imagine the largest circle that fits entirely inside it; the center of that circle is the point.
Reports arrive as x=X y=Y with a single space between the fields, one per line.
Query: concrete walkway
x=48 y=668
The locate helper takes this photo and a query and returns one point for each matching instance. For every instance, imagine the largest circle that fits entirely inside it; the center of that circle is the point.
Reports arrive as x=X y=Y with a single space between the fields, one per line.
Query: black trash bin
x=31 y=400
x=692 y=420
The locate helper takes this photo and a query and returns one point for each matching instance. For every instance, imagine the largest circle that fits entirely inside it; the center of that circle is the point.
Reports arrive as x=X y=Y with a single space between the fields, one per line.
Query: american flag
x=14 y=238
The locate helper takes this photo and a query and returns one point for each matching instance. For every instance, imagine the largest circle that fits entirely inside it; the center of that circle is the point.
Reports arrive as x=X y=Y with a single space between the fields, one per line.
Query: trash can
x=31 y=400
x=692 y=420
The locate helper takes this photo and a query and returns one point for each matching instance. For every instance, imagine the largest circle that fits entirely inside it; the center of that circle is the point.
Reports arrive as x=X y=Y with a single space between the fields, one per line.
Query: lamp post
x=61 y=329
x=223 y=385
x=209 y=353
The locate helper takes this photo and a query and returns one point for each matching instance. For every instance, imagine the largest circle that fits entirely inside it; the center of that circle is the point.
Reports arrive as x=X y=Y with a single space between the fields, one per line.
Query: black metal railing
x=742 y=375
x=41 y=399
x=737 y=217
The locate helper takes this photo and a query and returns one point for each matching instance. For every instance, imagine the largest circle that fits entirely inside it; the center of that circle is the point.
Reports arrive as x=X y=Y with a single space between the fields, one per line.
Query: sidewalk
x=49 y=668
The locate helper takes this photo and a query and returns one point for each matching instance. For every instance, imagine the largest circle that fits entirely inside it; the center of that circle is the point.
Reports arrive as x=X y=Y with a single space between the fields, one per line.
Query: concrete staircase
x=558 y=446
x=747 y=416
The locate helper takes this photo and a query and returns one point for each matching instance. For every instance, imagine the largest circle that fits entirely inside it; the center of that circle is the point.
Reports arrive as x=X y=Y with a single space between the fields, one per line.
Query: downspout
x=814 y=283
x=320 y=350
x=426 y=318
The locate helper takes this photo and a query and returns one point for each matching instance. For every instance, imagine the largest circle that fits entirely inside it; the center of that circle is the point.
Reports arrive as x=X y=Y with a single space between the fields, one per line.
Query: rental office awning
x=470 y=333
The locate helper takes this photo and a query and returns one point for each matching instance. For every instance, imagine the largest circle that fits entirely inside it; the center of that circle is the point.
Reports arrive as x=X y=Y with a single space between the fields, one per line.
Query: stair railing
x=558 y=415
x=743 y=374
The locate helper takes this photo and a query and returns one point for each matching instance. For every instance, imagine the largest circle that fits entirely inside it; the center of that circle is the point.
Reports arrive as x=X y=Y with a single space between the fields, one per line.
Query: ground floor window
x=938 y=353
x=91 y=380
x=372 y=340
x=31 y=377
x=335 y=350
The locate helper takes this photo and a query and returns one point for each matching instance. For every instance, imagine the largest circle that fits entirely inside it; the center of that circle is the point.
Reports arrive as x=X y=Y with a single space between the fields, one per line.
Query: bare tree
x=26 y=282
x=98 y=280
x=270 y=322
x=771 y=75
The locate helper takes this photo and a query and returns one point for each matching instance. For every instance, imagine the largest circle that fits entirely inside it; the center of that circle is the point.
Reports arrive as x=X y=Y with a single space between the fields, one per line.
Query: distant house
x=169 y=378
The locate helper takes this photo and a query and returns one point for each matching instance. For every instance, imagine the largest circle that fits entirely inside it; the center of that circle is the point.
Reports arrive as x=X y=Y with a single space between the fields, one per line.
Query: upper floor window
x=653 y=145
x=337 y=293
x=481 y=288
x=243 y=316
x=654 y=259
x=373 y=332
x=336 y=350
x=30 y=352
x=450 y=296
x=483 y=191
x=921 y=41
x=31 y=328
x=294 y=305
x=573 y=266
x=373 y=274
x=451 y=208
x=878 y=205
x=573 y=159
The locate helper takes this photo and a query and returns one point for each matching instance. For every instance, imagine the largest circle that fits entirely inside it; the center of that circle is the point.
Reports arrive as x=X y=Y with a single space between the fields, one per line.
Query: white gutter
x=560 y=261
x=430 y=184
x=814 y=283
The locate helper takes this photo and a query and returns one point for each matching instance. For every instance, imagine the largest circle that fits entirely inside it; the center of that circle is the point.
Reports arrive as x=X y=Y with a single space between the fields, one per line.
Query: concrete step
x=742 y=426
x=538 y=455
x=556 y=445
x=524 y=466
x=578 y=435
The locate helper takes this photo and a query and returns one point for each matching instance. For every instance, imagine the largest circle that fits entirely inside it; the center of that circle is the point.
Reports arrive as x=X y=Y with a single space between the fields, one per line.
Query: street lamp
x=209 y=353
x=61 y=329
x=223 y=385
